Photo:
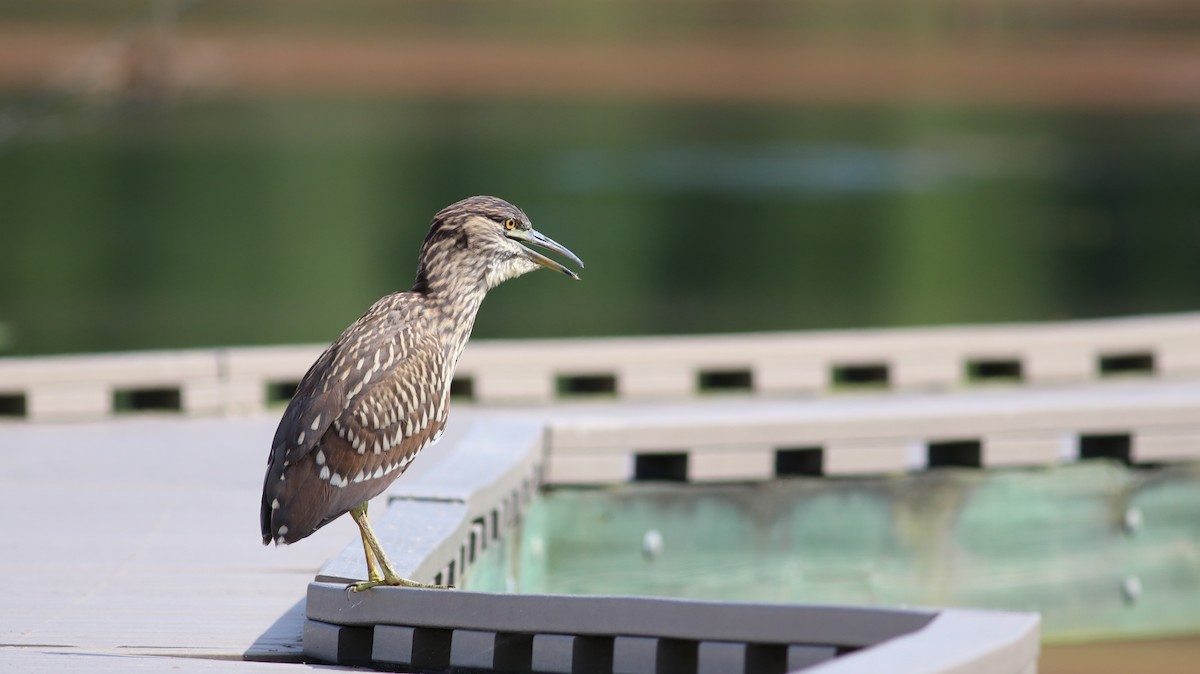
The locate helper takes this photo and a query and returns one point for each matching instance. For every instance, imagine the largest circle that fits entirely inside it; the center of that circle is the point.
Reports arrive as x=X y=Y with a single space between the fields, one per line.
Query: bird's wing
x=382 y=345
x=397 y=412
x=346 y=442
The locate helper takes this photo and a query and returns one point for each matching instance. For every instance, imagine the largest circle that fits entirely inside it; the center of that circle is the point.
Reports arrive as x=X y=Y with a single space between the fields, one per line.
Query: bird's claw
x=394 y=582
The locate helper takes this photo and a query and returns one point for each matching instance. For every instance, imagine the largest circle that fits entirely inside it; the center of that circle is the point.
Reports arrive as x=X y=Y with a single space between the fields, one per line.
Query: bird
x=380 y=393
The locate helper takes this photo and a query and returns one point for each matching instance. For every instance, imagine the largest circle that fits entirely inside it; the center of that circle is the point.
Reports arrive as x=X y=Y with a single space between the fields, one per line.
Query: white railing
x=247 y=380
x=748 y=440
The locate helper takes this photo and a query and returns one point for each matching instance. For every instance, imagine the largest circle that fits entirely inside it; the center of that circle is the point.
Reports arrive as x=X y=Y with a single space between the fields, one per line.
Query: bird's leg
x=374 y=552
x=373 y=571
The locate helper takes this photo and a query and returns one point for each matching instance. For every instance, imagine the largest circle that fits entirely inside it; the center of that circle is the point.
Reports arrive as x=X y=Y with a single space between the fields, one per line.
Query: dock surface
x=129 y=541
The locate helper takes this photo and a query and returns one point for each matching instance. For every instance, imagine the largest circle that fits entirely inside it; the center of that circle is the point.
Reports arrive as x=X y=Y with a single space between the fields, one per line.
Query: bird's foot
x=394 y=581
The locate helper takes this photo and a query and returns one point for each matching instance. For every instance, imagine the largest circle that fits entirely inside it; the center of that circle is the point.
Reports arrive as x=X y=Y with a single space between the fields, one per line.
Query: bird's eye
x=510 y=224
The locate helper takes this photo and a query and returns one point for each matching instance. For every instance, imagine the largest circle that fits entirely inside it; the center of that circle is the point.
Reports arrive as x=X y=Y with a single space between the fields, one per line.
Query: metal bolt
x=1133 y=519
x=652 y=544
x=1131 y=589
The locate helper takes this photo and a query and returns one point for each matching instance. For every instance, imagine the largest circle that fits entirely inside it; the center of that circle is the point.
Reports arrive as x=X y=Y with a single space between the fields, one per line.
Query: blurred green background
x=209 y=173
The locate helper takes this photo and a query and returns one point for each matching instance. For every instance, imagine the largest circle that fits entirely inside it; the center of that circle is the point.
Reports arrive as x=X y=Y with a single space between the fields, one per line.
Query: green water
x=1056 y=541
x=201 y=222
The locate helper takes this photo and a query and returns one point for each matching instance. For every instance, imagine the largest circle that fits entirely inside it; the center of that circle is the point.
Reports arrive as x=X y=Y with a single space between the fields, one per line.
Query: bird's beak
x=536 y=238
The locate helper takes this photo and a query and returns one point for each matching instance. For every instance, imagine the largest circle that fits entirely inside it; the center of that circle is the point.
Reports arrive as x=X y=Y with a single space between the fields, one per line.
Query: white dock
x=136 y=539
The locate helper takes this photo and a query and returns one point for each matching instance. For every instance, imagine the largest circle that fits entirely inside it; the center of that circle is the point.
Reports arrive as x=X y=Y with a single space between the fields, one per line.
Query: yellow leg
x=379 y=568
x=373 y=571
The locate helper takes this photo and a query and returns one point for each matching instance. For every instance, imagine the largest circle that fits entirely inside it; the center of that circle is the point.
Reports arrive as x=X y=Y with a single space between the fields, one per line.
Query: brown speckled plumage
x=379 y=393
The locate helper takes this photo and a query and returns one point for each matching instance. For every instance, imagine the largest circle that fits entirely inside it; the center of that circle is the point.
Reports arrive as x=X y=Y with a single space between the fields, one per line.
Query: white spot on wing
x=320 y=457
x=275 y=504
x=378 y=472
x=283 y=531
x=410 y=396
x=325 y=473
x=300 y=438
x=316 y=423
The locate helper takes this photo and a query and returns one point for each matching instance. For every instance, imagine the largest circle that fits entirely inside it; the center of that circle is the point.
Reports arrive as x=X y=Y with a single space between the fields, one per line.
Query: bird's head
x=484 y=240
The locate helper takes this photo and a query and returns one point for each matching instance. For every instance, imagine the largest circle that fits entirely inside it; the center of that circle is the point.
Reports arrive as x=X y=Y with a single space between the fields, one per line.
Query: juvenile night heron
x=380 y=393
